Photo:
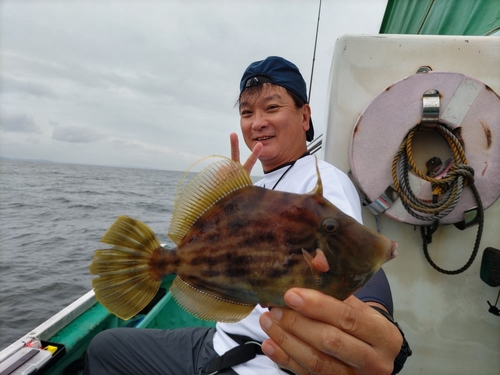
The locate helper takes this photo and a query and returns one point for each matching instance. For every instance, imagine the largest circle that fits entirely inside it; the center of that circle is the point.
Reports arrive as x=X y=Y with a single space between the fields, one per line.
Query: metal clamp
x=430 y=108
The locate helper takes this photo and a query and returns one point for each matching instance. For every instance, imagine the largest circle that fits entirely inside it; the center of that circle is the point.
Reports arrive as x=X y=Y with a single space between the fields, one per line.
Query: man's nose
x=259 y=121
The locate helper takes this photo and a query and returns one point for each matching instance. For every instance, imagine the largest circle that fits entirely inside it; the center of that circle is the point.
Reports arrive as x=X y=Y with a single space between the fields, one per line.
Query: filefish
x=237 y=245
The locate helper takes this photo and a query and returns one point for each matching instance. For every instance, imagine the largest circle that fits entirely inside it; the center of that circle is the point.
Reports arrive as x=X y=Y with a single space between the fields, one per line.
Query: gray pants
x=123 y=351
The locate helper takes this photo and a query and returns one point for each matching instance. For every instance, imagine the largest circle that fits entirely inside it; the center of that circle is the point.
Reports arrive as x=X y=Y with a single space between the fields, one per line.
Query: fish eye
x=329 y=225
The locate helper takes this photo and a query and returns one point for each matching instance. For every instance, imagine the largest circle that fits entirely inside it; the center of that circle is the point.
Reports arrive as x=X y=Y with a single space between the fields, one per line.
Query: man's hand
x=235 y=153
x=322 y=335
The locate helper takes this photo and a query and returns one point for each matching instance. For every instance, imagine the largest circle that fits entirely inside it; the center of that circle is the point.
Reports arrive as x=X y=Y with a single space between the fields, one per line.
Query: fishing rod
x=314 y=53
x=315 y=144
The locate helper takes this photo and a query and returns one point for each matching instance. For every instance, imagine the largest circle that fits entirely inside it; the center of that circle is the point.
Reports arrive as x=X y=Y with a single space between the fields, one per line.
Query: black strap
x=244 y=352
x=405 y=351
x=247 y=349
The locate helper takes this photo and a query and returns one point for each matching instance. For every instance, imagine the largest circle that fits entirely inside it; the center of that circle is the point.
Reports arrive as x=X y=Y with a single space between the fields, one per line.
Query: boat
x=448 y=319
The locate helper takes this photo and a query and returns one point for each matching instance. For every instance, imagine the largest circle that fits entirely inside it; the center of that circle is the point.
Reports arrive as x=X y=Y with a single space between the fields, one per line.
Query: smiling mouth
x=260 y=139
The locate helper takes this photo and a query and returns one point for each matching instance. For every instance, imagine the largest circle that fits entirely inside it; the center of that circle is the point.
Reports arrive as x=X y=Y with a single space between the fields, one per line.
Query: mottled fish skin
x=238 y=245
x=248 y=248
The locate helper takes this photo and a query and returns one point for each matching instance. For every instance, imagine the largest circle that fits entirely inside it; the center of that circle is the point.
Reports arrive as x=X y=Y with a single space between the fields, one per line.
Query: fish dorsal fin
x=213 y=183
x=318 y=189
x=206 y=305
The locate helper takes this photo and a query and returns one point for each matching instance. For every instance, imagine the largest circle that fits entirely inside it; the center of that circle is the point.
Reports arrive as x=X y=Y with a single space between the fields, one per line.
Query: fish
x=237 y=246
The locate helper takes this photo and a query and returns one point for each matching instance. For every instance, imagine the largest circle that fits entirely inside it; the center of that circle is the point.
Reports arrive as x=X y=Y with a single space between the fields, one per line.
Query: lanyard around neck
x=283 y=175
x=290 y=165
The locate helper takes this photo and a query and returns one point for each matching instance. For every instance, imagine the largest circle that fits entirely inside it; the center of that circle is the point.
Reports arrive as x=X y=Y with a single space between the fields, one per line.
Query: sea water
x=52 y=217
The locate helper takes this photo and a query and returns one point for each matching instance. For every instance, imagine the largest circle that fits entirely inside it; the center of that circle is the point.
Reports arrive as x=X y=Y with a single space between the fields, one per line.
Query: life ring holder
x=464 y=105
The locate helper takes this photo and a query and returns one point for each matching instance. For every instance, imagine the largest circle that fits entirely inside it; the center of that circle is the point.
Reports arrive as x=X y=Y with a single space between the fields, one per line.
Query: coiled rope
x=446 y=191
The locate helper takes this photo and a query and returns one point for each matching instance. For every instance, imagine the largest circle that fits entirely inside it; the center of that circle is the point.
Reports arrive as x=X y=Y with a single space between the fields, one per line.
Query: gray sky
x=152 y=84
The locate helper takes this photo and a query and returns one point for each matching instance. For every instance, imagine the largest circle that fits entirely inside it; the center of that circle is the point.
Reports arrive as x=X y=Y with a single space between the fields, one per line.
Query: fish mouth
x=393 y=252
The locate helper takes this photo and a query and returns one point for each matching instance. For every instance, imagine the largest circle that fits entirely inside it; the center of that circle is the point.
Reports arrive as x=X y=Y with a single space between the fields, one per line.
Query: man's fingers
x=345 y=334
x=252 y=159
x=235 y=152
x=350 y=315
x=295 y=354
x=235 y=148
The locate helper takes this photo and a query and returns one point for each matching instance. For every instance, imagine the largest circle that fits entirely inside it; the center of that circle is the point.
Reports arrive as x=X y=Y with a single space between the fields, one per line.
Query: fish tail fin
x=125 y=285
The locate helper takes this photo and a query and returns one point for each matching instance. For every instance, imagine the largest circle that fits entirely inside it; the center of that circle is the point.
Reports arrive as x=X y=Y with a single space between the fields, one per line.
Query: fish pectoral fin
x=207 y=305
x=318 y=264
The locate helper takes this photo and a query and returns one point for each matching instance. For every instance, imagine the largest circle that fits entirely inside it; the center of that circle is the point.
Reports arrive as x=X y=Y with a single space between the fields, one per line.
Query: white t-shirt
x=300 y=178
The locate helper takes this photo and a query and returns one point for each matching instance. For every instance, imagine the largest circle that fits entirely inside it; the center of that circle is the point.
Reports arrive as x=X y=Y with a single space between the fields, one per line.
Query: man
x=318 y=334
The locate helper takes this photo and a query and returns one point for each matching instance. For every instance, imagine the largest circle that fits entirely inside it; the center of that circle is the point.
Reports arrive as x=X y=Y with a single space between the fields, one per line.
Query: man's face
x=270 y=117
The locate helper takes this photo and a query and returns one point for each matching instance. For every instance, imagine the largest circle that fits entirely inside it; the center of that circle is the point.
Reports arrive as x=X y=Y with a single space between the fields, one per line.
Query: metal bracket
x=471 y=217
x=430 y=108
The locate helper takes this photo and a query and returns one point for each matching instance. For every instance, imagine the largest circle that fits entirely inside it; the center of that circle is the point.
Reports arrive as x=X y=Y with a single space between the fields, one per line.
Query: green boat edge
x=72 y=329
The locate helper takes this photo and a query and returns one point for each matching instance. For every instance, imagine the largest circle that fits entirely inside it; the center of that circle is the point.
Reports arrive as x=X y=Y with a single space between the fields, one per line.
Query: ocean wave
x=52 y=219
x=84 y=206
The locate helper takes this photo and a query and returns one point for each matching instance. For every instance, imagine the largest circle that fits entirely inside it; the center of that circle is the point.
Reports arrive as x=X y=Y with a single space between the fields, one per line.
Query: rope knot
x=463 y=170
x=447 y=180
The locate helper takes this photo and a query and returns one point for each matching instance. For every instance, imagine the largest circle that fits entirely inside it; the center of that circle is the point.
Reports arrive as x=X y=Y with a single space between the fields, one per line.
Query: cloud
x=18 y=122
x=76 y=134
x=151 y=84
x=20 y=86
